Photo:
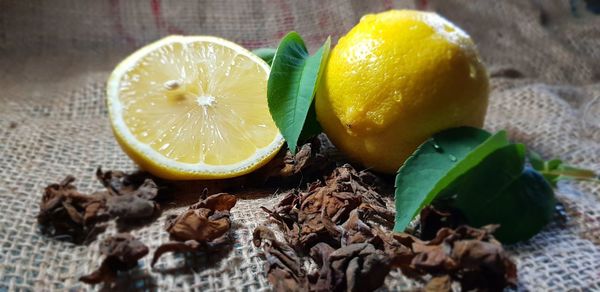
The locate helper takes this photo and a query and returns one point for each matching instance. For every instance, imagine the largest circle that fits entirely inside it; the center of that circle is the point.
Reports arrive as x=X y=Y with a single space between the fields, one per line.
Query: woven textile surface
x=55 y=57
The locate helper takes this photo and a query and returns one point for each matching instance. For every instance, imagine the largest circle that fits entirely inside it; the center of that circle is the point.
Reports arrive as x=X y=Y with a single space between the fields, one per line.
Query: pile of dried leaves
x=130 y=199
x=343 y=224
x=204 y=226
x=331 y=212
x=354 y=267
x=65 y=213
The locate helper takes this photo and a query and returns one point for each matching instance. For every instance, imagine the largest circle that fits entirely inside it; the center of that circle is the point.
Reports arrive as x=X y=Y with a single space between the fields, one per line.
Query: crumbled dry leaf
x=354 y=230
x=132 y=195
x=204 y=225
x=433 y=219
x=439 y=284
x=122 y=253
x=355 y=267
x=131 y=207
x=345 y=224
x=308 y=163
x=316 y=215
x=284 y=269
x=64 y=212
x=333 y=221
x=119 y=183
x=468 y=255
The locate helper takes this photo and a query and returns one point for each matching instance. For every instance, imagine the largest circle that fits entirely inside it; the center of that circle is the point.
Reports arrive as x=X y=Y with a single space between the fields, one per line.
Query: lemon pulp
x=193 y=107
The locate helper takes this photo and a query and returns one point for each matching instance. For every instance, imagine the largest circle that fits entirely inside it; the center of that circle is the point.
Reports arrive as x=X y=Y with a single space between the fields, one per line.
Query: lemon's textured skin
x=394 y=80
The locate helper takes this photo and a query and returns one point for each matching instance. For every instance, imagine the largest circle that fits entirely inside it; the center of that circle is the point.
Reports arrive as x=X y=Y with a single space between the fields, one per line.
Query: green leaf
x=436 y=164
x=292 y=85
x=311 y=125
x=500 y=191
x=554 y=170
x=266 y=54
x=536 y=160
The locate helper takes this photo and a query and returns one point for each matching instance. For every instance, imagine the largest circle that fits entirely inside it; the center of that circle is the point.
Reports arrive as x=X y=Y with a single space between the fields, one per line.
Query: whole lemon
x=394 y=80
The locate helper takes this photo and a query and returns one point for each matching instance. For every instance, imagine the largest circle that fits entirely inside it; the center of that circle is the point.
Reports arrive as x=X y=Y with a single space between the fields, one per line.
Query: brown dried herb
x=433 y=219
x=355 y=230
x=122 y=253
x=308 y=163
x=284 y=268
x=119 y=183
x=315 y=215
x=468 y=255
x=64 y=212
x=131 y=207
x=439 y=284
x=355 y=267
x=204 y=225
x=344 y=224
x=132 y=195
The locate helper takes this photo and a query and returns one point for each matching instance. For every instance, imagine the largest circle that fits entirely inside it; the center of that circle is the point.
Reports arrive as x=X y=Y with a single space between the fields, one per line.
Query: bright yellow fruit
x=193 y=108
x=394 y=80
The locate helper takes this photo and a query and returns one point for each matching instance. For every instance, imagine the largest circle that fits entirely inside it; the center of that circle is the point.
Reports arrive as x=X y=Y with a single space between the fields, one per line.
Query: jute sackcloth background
x=55 y=56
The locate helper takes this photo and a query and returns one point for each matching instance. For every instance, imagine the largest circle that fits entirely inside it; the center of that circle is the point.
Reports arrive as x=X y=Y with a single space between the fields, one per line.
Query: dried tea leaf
x=317 y=214
x=284 y=268
x=122 y=253
x=131 y=198
x=205 y=220
x=356 y=267
x=204 y=225
x=485 y=265
x=343 y=223
x=285 y=168
x=468 y=255
x=66 y=213
x=439 y=284
x=433 y=219
x=131 y=207
x=119 y=183
x=354 y=230
x=217 y=202
x=176 y=246
x=197 y=225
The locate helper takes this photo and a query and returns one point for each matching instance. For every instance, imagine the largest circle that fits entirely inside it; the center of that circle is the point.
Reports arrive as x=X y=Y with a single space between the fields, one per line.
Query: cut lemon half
x=193 y=107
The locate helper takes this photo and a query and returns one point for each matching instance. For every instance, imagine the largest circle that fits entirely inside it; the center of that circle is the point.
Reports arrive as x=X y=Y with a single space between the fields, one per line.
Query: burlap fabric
x=544 y=58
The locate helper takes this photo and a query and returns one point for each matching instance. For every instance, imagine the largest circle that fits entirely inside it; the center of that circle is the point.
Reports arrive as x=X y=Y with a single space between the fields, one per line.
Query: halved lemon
x=193 y=107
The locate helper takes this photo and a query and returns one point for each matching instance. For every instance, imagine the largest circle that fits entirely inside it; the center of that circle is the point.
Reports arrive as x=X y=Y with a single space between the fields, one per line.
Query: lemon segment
x=193 y=108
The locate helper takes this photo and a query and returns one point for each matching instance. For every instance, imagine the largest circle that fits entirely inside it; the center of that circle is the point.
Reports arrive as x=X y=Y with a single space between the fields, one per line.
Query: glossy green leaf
x=292 y=85
x=499 y=190
x=436 y=164
x=311 y=126
x=266 y=54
